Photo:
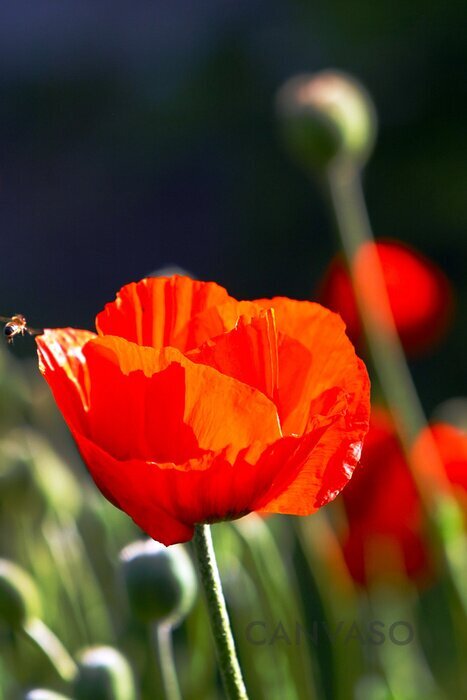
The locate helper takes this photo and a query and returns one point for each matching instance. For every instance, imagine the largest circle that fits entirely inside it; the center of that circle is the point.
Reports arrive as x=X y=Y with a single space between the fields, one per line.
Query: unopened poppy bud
x=325 y=116
x=103 y=674
x=19 y=597
x=160 y=581
x=43 y=694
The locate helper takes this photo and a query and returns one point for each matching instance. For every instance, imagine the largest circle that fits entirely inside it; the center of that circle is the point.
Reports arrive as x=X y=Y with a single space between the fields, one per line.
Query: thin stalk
x=43 y=638
x=220 y=624
x=163 y=634
x=384 y=345
x=354 y=228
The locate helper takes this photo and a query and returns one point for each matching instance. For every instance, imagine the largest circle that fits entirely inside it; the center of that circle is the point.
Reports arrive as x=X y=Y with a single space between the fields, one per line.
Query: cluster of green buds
x=161 y=587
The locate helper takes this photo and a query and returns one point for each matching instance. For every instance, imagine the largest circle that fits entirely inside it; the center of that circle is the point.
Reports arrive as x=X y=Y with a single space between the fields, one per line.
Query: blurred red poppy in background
x=419 y=294
x=386 y=527
x=190 y=406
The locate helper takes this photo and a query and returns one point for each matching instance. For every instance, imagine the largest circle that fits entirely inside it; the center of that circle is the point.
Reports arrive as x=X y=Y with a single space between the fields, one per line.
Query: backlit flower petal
x=191 y=406
x=155 y=405
x=314 y=355
x=61 y=358
x=310 y=393
x=156 y=311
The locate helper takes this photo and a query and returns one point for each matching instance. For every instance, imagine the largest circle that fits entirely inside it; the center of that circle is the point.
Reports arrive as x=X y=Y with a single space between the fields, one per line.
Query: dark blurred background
x=136 y=135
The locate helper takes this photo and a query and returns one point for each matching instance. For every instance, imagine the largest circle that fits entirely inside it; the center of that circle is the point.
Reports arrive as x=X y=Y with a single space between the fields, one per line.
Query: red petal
x=157 y=310
x=382 y=502
x=61 y=356
x=154 y=405
x=321 y=382
x=452 y=446
x=382 y=480
x=420 y=295
x=315 y=356
x=166 y=502
x=248 y=353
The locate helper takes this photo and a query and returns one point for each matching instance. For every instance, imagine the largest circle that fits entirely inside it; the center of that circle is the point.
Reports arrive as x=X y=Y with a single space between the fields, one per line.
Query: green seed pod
x=43 y=694
x=326 y=116
x=103 y=674
x=160 y=581
x=19 y=597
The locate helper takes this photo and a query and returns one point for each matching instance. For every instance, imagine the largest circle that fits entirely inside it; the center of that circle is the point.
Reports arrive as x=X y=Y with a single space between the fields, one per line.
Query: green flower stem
x=163 y=634
x=387 y=354
x=220 y=624
x=43 y=638
x=344 y=181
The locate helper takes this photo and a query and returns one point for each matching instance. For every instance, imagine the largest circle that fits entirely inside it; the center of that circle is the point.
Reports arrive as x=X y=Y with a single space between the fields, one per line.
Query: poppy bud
x=160 y=581
x=325 y=116
x=103 y=674
x=19 y=597
x=42 y=694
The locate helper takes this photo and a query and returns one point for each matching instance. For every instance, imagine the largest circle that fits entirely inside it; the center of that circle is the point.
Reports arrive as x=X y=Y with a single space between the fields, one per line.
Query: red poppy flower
x=419 y=294
x=190 y=406
x=386 y=528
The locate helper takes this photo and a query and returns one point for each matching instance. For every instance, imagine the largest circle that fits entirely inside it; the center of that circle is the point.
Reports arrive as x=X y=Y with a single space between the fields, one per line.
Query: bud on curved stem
x=160 y=581
x=103 y=673
x=326 y=117
x=161 y=589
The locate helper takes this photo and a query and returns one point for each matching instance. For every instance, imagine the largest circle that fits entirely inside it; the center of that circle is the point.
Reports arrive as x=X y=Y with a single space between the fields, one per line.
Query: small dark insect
x=16 y=325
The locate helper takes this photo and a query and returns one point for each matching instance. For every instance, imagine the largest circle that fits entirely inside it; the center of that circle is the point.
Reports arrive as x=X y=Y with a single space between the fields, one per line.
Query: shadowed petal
x=166 y=501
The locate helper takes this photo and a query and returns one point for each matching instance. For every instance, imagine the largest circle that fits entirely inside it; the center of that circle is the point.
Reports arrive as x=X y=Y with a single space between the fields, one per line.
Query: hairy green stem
x=220 y=624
